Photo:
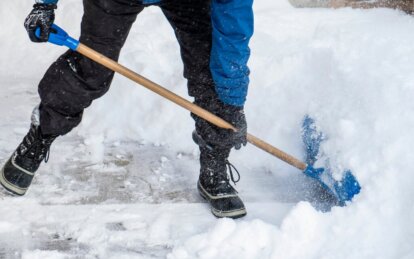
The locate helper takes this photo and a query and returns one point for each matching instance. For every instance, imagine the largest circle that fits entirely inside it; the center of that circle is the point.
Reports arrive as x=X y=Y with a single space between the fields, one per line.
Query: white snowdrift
x=351 y=69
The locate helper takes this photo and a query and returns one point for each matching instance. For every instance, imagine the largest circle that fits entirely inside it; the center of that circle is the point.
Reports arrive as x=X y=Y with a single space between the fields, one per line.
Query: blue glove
x=42 y=16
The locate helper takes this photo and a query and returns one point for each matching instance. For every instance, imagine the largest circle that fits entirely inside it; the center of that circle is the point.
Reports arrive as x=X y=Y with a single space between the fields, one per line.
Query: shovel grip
x=59 y=37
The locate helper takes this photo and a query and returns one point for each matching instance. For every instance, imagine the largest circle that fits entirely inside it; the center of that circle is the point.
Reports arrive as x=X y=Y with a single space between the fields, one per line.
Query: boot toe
x=15 y=179
x=223 y=206
x=229 y=207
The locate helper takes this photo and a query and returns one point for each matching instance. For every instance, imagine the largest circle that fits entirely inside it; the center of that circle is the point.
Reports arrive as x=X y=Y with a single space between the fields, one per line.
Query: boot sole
x=9 y=186
x=234 y=214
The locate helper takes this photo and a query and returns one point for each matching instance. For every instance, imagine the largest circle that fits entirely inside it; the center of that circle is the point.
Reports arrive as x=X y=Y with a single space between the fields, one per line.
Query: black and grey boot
x=18 y=172
x=214 y=182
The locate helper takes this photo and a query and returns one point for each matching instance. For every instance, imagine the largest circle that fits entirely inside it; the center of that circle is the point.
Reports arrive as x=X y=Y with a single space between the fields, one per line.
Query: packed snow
x=123 y=184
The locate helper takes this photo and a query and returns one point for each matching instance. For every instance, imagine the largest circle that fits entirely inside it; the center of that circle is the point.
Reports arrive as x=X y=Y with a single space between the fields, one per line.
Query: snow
x=122 y=185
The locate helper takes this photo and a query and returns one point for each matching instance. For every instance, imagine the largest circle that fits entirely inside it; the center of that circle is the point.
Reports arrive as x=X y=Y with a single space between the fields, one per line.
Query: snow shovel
x=344 y=190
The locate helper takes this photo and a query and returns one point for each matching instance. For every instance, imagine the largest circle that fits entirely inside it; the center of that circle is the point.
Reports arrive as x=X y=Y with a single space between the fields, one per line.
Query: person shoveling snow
x=217 y=131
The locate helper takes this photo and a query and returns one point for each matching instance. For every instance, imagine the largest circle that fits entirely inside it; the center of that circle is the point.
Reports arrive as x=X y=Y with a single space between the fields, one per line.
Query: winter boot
x=18 y=172
x=214 y=181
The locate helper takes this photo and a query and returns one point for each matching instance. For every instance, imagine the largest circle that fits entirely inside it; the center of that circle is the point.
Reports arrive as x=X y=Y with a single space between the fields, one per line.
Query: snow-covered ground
x=122 y=185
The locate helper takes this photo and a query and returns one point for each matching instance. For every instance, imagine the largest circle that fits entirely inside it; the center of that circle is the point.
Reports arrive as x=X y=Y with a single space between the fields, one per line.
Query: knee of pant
x=91 y=74
x=71 y=83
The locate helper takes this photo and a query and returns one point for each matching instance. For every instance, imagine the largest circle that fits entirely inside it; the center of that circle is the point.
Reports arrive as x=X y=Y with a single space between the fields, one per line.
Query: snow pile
x=350 y=69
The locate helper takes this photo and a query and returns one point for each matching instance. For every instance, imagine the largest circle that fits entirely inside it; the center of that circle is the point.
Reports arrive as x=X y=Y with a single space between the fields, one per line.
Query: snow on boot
x=214 y=182
x=18 y=172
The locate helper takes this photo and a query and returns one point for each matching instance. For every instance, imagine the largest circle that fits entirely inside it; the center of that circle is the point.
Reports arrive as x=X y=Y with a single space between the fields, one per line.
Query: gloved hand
x=42 y=16
x=218 y=137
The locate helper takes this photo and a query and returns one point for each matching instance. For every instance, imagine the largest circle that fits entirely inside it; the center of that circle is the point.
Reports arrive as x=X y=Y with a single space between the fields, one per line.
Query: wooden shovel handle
x=208 y=116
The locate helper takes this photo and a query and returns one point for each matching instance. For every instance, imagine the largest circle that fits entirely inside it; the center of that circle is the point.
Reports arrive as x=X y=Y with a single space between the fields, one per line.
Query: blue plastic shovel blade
x=346 y=188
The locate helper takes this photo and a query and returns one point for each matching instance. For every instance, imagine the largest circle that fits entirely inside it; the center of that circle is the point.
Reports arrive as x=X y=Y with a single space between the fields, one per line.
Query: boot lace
x=230 y=168
x=35 y=146
x=223 y=179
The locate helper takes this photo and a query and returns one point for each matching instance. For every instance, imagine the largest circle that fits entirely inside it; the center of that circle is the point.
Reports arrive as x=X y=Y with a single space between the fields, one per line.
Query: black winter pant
x=73 y=81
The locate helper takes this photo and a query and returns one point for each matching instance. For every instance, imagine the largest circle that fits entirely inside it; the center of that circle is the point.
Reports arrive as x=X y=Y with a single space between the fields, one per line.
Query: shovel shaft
x=208 y=116
x=276 y=152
